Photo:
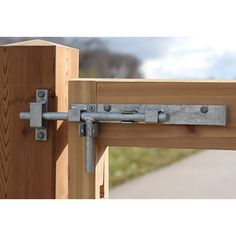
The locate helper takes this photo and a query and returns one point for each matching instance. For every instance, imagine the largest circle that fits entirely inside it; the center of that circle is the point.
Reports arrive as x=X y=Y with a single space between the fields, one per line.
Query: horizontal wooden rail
x=105 y=91
x=166 y=92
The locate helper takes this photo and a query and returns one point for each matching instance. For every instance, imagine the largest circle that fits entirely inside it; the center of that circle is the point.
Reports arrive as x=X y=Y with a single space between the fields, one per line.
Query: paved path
x=207 y=174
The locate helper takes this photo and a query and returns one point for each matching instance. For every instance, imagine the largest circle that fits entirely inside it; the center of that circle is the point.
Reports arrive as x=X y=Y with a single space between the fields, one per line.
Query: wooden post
x=30 y=169
x=82 y=184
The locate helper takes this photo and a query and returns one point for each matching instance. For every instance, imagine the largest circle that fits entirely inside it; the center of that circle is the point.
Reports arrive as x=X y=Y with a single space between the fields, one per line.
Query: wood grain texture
x=67 y=66
x=28 y=168
x=81 y=184
x=164 y=92
x=167 y=92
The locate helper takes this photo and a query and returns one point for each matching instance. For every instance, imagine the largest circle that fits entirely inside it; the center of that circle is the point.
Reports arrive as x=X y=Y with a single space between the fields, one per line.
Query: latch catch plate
x=36 y=115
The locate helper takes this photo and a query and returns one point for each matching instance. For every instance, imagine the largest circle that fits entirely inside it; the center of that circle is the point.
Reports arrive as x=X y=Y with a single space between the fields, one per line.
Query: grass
x=127 y=163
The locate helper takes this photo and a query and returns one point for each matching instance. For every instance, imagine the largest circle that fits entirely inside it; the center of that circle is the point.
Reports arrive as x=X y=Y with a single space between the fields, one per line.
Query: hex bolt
x=107 y=107
x=41 y=93
x=204 y=109
x=40 y=135
x=91 y=108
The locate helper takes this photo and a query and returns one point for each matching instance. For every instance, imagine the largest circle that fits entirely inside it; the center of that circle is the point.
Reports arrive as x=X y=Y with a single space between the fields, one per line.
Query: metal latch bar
x=90 y=115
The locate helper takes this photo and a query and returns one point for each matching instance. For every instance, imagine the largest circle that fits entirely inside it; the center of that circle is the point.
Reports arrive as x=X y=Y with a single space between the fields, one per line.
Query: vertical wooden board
x=67 y=66
x=81 y=184
x=102 y=172
x=26 y=166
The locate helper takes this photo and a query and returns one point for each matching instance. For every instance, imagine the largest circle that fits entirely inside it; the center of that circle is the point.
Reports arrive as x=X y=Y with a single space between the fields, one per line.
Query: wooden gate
x=56 y=168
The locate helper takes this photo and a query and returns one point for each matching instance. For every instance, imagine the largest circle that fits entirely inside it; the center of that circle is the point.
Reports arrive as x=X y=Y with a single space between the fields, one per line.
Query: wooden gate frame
x=140 y=91
x=53 y=169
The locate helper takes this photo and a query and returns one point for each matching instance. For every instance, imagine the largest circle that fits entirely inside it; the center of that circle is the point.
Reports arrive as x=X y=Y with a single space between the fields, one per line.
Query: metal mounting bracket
x=36 y=113
x=90 y=115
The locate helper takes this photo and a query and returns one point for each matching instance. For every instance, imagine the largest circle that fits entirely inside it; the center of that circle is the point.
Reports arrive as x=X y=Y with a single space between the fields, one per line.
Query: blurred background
x=152 y=172
x=153 y=57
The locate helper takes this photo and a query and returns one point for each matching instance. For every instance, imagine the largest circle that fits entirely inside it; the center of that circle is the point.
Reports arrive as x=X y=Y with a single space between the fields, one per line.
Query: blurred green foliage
x=90 y=73
x=129 y=162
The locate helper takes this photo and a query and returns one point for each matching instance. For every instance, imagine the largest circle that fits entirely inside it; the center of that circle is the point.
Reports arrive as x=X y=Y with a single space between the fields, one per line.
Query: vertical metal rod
x=89 y=150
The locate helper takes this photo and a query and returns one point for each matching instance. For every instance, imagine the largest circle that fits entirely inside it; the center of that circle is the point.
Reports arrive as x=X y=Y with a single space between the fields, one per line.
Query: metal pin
x=89 y=152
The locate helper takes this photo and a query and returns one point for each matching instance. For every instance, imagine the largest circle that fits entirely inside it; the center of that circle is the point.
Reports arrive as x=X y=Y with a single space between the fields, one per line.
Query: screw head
x=204 y=109
x=107 y=107
x=41 y=93
x=40 y=135
x=91 y=108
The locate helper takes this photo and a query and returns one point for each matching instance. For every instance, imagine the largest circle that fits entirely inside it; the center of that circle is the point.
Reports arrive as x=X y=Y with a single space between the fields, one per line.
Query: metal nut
x=107 y=107
x=40 y=135
x=41 y=93
x=204 y=109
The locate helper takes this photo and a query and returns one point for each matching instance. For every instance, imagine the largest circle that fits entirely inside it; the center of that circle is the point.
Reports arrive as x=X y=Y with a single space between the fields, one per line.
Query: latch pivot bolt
x=204 y=109
x=91 y=108
x=107 y=107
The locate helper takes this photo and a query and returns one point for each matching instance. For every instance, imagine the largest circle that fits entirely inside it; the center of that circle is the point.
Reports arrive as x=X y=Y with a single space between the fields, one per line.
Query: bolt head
x=40 y=135
x=204 y=109
x=107 y=107
x=91 y=108
x=41 y=93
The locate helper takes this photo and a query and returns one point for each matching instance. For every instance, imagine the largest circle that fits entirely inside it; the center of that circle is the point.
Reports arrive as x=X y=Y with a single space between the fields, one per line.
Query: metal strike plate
x=38 y=108
x=36 y=113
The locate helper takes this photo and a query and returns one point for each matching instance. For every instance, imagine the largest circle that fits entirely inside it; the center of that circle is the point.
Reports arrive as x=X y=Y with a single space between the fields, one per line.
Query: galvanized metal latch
x=37 y=109
x=90 y=115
